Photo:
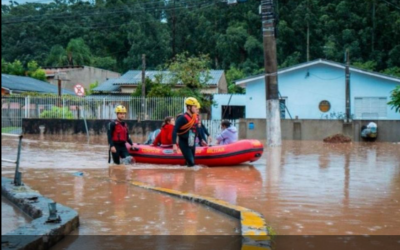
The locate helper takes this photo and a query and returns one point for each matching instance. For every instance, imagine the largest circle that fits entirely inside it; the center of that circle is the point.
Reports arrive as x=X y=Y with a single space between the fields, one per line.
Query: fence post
x=104 y=109
x=63 y=107
x=29 y=106
x=26 y=107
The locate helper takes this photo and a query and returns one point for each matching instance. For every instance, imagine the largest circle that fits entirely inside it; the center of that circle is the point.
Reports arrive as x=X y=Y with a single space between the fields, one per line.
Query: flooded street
x=307 y=188
x=12 y=217
x=302 y=188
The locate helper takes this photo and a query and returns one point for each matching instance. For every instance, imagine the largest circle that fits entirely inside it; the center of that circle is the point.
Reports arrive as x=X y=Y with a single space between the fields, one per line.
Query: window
x=370 y=107
x=282 y=108
x=233 y=112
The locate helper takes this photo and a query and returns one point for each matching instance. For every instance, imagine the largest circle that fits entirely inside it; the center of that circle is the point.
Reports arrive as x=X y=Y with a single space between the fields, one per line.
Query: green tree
x=193 y=72
x=138 y=91
x=35 y=71
x=368 y=65
x=230 y=35
x=78 y=53
x=39 y=74
x=4 y=66
x=57 y=56
x=16 y=68
x=395 y=71
x=395 y=99
x=161 y=90
x=232 y=75
x=91 y=87
x=107 y=62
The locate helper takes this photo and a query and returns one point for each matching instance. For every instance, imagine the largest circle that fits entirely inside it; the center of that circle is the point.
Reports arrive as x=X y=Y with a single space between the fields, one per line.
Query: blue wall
x=306 y=87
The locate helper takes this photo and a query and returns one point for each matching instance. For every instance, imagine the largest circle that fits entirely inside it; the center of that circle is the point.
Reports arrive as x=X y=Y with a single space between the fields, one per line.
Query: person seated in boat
x=369 y=132
x=203 y=131
x=118 y=136
x=228 y=135
x=152 y=136
x=164 y=138
x=186 y=131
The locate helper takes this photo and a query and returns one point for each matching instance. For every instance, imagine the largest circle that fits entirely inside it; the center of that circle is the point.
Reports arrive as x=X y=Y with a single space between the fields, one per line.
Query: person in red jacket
x=118 y=136
x=164 y=138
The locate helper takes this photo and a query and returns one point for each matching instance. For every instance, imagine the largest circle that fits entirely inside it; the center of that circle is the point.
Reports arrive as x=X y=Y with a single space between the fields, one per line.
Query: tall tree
x=78 y=53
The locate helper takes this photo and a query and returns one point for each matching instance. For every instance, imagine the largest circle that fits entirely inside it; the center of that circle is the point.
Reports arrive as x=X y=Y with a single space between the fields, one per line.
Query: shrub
x=57 y=112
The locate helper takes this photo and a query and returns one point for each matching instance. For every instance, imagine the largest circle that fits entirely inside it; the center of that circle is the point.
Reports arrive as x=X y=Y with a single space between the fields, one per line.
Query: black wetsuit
x=188 y=152
x=122 y=151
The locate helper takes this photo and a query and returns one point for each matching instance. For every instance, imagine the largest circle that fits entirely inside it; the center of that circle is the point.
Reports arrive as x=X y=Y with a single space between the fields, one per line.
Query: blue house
x=316 y=90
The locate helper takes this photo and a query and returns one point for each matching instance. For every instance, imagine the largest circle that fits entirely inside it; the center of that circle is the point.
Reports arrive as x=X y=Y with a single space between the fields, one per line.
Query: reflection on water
x=306 y=187
x=301 y=188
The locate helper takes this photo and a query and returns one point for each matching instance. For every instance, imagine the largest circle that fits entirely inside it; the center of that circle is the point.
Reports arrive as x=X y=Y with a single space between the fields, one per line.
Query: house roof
x=134 y=77
x=28 y=84
x=316 y=62
x=108 y=86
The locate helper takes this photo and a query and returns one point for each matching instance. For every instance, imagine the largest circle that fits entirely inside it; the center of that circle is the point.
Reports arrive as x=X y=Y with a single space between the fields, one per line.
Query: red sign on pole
x=79 y=90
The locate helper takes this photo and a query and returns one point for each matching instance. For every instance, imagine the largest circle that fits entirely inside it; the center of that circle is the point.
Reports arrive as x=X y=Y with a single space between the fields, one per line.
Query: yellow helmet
x=120 y=109
x=191 y=101
x=198 y=105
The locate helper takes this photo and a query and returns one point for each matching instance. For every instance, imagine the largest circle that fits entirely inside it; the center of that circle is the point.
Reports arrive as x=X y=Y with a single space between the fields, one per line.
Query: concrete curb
x=252 y=224
x=38 y=234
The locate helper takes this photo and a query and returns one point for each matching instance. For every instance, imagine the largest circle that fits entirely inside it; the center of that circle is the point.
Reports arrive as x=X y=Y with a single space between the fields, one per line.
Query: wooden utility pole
x=308 y=41
x=59 y=86
x=143 y=86
x=271 y=73
x=347 y=71
x=173 y=31
x=373 y=27
x=308 y=30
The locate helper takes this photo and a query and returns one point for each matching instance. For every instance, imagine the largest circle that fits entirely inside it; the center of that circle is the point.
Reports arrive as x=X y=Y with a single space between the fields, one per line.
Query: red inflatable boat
x=224 y=155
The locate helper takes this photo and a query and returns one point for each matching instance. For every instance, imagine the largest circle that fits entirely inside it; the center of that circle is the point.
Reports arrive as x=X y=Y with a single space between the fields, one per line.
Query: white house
x=316 y=90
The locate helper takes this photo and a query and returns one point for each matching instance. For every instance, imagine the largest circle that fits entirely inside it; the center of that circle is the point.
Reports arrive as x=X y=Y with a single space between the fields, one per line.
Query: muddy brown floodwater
x=302 y=188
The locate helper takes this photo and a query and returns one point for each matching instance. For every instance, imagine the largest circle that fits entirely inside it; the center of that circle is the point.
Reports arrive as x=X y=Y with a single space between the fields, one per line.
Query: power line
x=394 y=5
x=64 y=15
x=142 y=5
x=99 y=27
x=25 y=2
x=327 y=79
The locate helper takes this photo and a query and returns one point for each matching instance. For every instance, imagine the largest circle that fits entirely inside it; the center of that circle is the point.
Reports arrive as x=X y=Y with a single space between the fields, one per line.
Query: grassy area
x=8 y=129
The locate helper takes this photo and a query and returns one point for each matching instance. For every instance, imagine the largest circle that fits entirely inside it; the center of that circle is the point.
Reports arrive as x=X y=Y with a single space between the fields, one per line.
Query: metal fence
x=15 y=108
x=214 y=126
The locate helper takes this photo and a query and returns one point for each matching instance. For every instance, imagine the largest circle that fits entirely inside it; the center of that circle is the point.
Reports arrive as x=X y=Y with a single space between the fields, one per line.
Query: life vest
x=120 y=132
x=191 y=125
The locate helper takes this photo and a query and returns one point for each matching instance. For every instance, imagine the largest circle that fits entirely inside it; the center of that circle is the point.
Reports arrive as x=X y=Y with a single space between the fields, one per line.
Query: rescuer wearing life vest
x=186 y=131
x=118 y=136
